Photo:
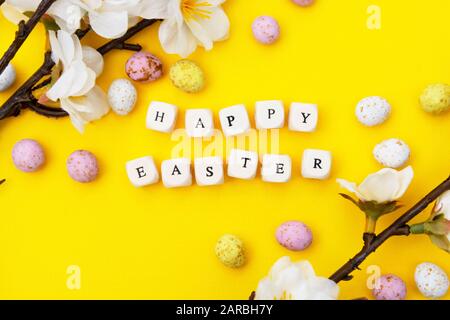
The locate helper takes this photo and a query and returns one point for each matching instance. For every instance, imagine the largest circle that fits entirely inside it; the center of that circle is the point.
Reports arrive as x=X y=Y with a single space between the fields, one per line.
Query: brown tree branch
x=398 y=227
x=23 y=97
x=24 y=31
x=372 y=242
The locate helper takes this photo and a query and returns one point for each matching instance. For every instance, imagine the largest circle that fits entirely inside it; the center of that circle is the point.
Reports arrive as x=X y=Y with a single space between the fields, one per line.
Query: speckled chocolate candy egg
x=389 y=287
x=230 y=251
x=372 y=111
x=187 y=76
x=122 y=96
x=392 y=153
x=294 y=235
x=303 y=3
x=144 y=67
x=28 y=155
x=266 y=29
x=436 y=98
x=431 y=280
x=7 y=78
x=82 y=166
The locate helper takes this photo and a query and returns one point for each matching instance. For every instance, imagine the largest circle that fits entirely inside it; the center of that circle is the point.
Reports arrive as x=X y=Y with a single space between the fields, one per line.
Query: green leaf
x=349 y=198
x=375 y=210
x=442 y=242
x=49 y=23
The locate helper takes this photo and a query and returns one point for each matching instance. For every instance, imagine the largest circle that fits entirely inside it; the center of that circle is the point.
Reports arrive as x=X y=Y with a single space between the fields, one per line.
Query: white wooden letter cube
x=234 y=120
x=303 y=117
x=276 y=168
x=316 y=164
x=199 y=123
x=176 y=172
x=161 y=116
x=209 y=171
x=242 y=164
x=142 y=171
x=269 y=114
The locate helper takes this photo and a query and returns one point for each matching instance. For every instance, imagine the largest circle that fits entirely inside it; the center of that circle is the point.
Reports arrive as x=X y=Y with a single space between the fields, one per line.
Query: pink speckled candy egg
x=82 y=166
x=303 y=3
x=28 y=155
x=266 y=29
x=294 y=235
x=144 y=67
x=389 y=287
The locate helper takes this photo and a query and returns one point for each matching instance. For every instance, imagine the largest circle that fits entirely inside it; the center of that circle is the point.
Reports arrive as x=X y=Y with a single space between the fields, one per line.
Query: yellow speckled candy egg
x=187 y=76
x=230 y=251
x=436 y=98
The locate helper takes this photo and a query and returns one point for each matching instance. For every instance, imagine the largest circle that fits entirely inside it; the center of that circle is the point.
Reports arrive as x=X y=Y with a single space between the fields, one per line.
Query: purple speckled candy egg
x=294 y=235
x=266 y=29
x=82 y=166
x=389 y=287
x=28 y=155
x=303 y=3
x=144 y=67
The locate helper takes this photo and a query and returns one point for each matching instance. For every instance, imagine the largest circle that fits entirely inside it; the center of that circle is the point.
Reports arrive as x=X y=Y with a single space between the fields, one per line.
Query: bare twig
x=24 y=31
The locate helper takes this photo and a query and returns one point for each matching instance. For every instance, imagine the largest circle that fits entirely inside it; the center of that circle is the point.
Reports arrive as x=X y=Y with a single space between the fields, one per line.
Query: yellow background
x=159 y=243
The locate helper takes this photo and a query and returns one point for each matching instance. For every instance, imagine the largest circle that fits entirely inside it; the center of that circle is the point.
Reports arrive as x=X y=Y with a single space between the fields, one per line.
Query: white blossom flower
x=443 y=205
x=108 y=18
x=437 y=227
x=75 y=89
x=441 y=211
x=66 y=13
x=189 y=23
x=383 y=186
x=289 y=280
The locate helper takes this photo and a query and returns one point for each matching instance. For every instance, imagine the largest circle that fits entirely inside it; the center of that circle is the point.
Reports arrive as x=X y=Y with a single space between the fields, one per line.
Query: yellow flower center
x=194 y=9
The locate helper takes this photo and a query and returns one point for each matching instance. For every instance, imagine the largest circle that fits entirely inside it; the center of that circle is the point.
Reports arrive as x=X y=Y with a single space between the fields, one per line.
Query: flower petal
x=217 y=26
x=288 y=280
x=93 y=59
x=443 y=205
x=323 y=289
x=88 y=84
x=56 y=48
x=153 y=9
x=12 y=14
x=24 y=5
x=77 y=80
x=200 y=34
x=67 y=15
x=350 y=186
x=405 y=177
x=68 y=47
x=381 y=186
x=85 y=109
x=62 y=87
x=279 y=266
x=109 y=25
x=176 y=38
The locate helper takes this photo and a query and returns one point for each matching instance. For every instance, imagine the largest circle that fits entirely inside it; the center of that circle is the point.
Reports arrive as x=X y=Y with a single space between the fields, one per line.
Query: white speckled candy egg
x=7 y=78
x=122 y=96
x=392 y=153
x=372 y=111
x=431 y=280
